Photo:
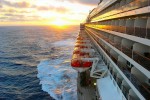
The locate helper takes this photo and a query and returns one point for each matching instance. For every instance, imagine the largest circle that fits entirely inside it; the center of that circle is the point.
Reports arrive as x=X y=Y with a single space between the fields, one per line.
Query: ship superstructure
x=119 y=31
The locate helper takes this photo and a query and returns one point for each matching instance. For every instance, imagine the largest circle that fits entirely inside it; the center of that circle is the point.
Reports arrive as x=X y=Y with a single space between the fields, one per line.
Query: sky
x=45 y=12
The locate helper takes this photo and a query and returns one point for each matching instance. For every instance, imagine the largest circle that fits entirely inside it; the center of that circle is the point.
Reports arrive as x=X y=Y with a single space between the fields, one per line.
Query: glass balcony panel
x=117 y=45
x=143 y=3
x=129 y=1
x=134 y=4
x=123 y=2
x=122 y=29
x=117 y=28
x=130 y=30
x=142 y=60
x=119 y=81
x=107 y=52
x=142 y=87
x=145 y=90
x=127 y=51
x=148 y=33
x=125 y=91
x=129 y=5
x=114 y=59
x=130 y=97
x=140 y=32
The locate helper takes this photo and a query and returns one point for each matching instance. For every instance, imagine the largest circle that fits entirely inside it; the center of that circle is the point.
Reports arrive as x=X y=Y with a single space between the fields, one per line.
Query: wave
x=56 y=75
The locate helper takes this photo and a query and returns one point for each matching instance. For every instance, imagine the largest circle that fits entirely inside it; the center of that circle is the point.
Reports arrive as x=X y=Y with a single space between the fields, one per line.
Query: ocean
x=35 y=63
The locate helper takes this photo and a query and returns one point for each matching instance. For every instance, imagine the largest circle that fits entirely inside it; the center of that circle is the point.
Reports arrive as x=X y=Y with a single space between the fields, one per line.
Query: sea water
x=35 y=63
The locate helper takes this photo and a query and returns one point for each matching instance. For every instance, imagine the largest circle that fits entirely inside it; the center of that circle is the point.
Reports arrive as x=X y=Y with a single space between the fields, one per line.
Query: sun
x=59 y=22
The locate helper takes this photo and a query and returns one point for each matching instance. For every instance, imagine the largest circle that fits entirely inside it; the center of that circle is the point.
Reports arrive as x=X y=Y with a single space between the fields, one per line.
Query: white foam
x=68 y=42
x=57 y=76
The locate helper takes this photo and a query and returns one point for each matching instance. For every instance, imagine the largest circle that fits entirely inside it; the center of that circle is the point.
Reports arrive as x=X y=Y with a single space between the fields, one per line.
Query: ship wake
x=55 y=74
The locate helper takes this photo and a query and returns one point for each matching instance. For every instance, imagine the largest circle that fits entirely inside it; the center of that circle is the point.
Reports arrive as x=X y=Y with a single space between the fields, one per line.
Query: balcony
x=142 y=60
x=130 y=97
x=114 y=59
x=130 y=30
x=143 y=88
x=148 y=33
x=140 y=32
x=122 y=29
x=114 y=75
x=125 y=91
x=118 y=46
x=127 y=51
x=108 y=52
x=119 y=81
x=122 y=6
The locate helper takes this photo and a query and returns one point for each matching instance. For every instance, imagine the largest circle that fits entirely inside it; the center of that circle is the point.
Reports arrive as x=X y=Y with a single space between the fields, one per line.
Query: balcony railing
x=127 y=51
x=125 y=91
x=142 y=60
x=140 y=32
x=148 y=32
x=108 y=52
x=130 y=30
x=130 y=97
x=114 y=59
x=135 y=4
x=114 y=75
x=144 y=89
x=118 y=81
x=122 y=29
x=123 y=7
x=118 y=45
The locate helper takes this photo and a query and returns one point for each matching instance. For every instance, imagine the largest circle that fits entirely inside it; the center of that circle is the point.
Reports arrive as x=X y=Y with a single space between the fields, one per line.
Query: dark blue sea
x=35 y=63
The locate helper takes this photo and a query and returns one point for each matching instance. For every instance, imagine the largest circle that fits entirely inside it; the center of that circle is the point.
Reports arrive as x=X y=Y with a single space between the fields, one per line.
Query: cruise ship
x=112 y=52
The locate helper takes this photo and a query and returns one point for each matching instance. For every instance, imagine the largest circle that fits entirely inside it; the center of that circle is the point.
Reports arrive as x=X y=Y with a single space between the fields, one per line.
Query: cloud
x=16 y=4
x=7 y=17
x=45 y=11
x=11 y=11
x=1 y=6
x=59 y=9
x=14 y=15
x=86 y=2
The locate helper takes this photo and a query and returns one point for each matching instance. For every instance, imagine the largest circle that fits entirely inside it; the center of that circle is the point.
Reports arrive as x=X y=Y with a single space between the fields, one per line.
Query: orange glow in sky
x=45 y=12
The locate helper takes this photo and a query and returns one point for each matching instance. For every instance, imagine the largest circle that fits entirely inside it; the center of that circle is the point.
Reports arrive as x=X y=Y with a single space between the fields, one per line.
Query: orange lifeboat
x=79 y=64
x=81 y=59
x=83 y=54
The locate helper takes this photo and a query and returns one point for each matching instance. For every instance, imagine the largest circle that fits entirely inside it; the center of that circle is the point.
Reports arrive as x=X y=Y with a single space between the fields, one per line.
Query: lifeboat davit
x=80 y=64
x=82 y=59
x=83 y=54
